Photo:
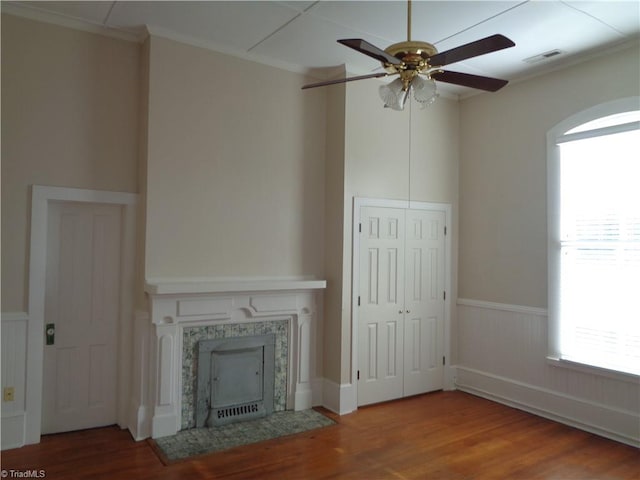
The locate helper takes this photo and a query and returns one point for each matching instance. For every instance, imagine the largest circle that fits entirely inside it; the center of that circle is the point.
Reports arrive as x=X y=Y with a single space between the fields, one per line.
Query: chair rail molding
x=503 y=356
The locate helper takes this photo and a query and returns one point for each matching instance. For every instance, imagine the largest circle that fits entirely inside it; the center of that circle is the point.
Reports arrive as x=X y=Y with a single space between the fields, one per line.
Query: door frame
x=358 y=203
x=41 y=197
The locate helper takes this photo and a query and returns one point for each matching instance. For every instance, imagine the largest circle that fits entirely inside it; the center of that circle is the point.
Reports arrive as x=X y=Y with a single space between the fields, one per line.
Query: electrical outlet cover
x=8 y=394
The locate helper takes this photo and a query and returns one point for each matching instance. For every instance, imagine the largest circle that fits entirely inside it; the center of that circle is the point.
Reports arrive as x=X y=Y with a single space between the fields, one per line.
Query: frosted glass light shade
x=424 y=91
x=393 y=95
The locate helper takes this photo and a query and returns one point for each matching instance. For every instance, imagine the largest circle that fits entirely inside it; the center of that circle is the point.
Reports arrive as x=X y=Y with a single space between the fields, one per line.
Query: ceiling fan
x=418 y=64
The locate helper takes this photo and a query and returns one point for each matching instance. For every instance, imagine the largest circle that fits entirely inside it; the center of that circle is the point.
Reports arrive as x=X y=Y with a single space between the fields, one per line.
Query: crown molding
x=33 y=13
x=563 y=62
x=160 y=32
x=38 y=15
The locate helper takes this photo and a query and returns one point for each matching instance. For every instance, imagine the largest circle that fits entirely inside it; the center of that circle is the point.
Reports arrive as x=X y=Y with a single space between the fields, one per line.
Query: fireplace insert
x=235 y=379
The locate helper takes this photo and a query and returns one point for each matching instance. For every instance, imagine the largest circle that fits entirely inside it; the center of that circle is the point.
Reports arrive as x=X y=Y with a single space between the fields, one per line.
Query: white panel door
x=380 y=315
x=424 y=301
x=82 y=305
x=401 y=295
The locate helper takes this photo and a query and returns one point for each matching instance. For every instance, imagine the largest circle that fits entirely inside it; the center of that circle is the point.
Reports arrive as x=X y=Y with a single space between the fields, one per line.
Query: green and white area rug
x=200 y=441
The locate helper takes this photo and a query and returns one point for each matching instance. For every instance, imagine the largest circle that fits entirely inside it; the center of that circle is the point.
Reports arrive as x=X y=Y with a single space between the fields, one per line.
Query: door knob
x=408 y=311
x=399 y=311
x=50 y=333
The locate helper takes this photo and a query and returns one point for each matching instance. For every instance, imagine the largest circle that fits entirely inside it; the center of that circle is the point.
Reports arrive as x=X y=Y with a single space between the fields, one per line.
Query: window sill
x=584 y=368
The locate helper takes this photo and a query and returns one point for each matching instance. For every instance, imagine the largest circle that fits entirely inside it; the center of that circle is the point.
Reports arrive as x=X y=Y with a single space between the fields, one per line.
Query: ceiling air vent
x=543 y=56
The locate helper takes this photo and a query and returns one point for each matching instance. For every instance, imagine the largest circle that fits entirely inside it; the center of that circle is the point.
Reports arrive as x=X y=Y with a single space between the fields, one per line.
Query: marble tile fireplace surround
x=182 y=313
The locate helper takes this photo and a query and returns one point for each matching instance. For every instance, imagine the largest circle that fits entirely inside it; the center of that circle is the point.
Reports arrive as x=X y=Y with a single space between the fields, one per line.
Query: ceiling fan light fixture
x=393 y=94
x=424 y=91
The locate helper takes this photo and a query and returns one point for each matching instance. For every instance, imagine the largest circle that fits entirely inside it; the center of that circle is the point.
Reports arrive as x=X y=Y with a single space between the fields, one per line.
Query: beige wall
x=378 y=144
x=235 y=168
x=69 y=118
x=386 y=148
x=143 y=149
x=503 y=174
x=503 y=256
x=247 y=175
x=334 y=307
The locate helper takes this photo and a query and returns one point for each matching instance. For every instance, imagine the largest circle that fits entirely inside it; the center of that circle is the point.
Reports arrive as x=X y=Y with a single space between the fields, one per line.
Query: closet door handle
x=408 y=311
x=400 y=312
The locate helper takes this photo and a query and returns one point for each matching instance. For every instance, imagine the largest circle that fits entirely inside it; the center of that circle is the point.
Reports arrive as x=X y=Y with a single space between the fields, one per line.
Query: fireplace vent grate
x=239 y=411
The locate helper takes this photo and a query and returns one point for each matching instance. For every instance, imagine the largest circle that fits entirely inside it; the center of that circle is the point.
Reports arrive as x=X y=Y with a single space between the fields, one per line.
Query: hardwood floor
x=442 y=435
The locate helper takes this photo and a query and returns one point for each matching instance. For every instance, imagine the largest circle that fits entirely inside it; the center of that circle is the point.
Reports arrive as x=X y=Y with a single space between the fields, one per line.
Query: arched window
x=593 y=215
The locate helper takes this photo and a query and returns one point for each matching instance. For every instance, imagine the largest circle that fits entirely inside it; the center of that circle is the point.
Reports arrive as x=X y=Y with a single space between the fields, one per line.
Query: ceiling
x=301 y=35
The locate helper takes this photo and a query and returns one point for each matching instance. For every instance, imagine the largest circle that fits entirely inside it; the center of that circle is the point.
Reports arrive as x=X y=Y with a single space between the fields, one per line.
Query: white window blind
x=599 y=247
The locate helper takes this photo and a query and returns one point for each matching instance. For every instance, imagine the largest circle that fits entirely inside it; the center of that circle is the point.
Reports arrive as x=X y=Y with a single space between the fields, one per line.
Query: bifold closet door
x=401 y=311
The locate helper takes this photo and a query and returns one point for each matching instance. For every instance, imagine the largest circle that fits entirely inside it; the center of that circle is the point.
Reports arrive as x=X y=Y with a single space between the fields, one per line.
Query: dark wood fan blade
x=469 y=50
x=467 y=80
x=372 y=51
x=344 y=80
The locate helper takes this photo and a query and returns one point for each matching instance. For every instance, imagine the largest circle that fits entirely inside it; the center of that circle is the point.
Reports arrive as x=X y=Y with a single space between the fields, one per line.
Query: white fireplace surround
x=177 y=304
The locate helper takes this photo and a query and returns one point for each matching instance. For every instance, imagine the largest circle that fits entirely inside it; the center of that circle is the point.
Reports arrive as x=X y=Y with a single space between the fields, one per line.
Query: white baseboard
x=317 y=391
x=450 y=377
x=340 y=399
x=139 y=425
x=163 y=425
x=303 y=399
x=12 y=432
x=615 y=424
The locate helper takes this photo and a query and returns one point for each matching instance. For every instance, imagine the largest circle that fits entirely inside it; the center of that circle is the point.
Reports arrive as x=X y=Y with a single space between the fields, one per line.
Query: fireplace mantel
x=176 y=304
x=196 y=286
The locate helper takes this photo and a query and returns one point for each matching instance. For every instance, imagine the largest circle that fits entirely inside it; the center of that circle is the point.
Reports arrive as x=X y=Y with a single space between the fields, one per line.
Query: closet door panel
x=380 y=314
x=424 y=301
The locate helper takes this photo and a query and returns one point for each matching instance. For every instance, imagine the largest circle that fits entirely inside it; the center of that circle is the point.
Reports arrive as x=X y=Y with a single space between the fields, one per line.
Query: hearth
x=235 y=379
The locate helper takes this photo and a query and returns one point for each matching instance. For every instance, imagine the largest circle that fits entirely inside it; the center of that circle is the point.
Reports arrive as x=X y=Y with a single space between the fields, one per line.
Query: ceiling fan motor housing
x=414 y=55
x=415 y=59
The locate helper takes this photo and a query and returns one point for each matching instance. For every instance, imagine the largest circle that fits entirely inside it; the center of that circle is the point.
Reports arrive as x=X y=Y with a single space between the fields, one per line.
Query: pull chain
x=409 y=179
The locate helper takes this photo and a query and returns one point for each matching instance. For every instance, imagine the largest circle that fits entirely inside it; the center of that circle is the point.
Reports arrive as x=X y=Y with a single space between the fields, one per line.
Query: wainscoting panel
x=503 y=356
x=14 y=361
